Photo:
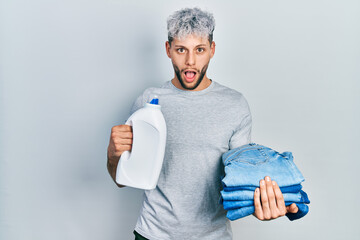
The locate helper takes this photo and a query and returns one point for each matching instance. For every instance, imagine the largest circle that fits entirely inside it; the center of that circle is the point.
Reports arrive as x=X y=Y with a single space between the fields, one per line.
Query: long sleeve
x=242 y=134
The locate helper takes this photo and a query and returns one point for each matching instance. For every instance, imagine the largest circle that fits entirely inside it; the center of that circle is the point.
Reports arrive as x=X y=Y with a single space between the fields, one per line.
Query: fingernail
x=262 y=182
x=273 y=182
x=267 y=179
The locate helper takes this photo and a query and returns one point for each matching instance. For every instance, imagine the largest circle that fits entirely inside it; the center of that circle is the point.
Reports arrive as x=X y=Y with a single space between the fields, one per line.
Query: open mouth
x=189 y=75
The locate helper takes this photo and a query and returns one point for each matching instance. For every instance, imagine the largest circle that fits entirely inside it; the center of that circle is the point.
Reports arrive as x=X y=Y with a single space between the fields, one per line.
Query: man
x=204 y=120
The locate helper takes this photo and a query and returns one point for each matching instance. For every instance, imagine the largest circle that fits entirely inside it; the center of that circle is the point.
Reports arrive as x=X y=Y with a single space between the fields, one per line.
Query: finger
x=128 y=135
x=123 y=141
x=292 y=208
x=122 y=128
x=274 y=211
x=115 y=151
x=264 y=200
x=124 y=135
x=119 y=149
x=279 y=199
x=258 y=209
x=271 y=197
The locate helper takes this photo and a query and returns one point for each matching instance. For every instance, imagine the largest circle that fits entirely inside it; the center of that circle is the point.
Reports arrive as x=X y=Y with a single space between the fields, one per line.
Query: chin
x=190 y=86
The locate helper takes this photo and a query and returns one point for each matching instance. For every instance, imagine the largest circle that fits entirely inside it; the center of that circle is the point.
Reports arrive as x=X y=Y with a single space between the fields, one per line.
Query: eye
x=200 y=50
x=180 y=50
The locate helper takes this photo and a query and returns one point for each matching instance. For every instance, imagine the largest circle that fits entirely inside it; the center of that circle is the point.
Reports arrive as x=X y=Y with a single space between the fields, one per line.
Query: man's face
x=190 y=58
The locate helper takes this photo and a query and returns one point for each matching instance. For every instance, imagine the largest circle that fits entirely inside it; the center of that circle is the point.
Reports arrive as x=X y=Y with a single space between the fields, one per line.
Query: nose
x=190 y=59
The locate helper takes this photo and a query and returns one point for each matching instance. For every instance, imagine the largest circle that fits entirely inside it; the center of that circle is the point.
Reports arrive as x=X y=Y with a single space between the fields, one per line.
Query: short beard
x=182 y=81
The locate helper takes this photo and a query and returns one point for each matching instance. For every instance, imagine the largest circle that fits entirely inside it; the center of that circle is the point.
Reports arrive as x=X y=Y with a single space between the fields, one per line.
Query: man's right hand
x=121 y=140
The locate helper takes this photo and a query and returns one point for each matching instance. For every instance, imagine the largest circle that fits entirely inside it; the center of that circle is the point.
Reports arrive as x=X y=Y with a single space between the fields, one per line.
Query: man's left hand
x=272 y=203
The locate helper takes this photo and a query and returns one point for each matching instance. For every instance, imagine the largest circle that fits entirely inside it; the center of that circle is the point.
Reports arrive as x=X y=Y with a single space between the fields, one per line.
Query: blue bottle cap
x=155 y=101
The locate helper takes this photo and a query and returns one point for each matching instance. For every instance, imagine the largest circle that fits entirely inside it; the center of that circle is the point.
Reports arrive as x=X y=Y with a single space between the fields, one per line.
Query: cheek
x=176 y=60
x=204 y=60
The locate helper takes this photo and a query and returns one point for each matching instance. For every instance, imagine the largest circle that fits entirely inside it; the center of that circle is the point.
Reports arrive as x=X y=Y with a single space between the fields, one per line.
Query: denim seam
x=253 y=164
x=253 y=146
x=234 y=155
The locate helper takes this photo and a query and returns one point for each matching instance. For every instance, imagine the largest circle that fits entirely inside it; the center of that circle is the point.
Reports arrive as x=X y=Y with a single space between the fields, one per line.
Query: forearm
x=120 y=141
x=112 y=166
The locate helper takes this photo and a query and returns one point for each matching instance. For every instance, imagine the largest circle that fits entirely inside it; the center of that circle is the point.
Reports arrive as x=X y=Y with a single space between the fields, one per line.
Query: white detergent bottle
x=141 y=167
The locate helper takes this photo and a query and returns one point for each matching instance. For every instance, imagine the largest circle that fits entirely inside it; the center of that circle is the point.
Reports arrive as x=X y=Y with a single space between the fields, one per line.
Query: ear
x=167 y=47
x=212 y=49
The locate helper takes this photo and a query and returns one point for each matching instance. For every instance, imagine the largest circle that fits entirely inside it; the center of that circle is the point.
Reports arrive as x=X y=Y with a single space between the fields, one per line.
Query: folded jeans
x=245 y=211
x=231 y=204
x=244 y=195
x=246 y=165
x=288 y=189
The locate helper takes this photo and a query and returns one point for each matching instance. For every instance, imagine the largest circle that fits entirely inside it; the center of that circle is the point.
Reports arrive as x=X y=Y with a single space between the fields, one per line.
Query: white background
x=70 y=70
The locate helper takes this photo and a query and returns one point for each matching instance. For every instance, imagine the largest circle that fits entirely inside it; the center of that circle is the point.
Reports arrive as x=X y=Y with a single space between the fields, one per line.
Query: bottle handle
x=126 y=154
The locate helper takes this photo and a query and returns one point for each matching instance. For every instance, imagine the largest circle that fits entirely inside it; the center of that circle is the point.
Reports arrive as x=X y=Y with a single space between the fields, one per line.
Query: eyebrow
x=200 y=45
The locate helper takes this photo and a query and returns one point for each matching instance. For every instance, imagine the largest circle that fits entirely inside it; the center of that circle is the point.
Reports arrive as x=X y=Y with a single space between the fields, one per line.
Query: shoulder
x=229 y=94
x=158 y=91
x=149 y=93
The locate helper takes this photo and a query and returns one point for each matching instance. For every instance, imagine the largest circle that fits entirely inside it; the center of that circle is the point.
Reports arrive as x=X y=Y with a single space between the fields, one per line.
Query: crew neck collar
x=187 y=92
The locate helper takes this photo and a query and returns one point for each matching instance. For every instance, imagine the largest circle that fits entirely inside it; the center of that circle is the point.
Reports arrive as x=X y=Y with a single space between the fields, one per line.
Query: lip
x=190 y=70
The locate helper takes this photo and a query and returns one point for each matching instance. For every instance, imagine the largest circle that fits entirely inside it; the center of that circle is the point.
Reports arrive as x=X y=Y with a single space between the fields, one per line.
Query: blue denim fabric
x=245 y=195
x=245 y=211
x=240 y=213
x=246 y=165
x=233 y=204
x=303 y=210
x=229 y=205
x=289 y=189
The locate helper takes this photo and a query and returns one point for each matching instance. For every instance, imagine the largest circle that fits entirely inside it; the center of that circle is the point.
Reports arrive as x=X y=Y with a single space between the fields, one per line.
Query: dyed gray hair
x=190 y=21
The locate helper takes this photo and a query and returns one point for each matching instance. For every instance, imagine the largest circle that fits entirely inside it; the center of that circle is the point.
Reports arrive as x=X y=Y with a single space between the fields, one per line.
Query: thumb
x=292 y=208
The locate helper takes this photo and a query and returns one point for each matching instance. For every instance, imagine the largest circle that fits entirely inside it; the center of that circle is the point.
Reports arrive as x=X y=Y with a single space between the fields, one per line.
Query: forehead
x=191 y=41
